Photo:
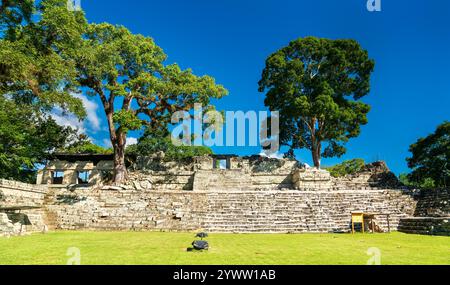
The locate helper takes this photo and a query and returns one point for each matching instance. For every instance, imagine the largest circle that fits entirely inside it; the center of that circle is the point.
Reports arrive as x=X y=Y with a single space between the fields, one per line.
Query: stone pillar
x=311 y=179
x=40 y=177
x=70 y=177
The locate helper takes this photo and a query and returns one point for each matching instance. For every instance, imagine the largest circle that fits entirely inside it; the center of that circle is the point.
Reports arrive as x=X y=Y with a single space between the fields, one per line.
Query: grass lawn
x=246 y=249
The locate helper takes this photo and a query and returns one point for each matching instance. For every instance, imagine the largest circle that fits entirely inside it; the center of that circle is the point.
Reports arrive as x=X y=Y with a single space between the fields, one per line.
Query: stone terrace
x=219 y=194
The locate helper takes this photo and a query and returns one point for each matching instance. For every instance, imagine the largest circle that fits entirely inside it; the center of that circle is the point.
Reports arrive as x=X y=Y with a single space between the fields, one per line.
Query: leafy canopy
x=426 y=183
x=27 y=138
x=347 y=167
x=115 y=63
x=316 y=85
x=148 y=146
x=128 y=73
x=37 y=53
x=83 y=145
x=431 y=158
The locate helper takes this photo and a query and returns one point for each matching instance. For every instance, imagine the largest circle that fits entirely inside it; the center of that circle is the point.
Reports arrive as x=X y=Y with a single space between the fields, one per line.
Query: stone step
x=424 y=225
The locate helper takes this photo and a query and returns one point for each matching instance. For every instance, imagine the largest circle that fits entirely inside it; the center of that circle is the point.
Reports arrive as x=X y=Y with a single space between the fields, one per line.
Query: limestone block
x=203 y=163
x=4 y=219
x=312 y=179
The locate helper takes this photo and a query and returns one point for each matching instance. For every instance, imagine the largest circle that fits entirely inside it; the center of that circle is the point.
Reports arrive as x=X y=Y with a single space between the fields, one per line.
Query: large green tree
x=127 y=72
x=431 y=158
x=316 y=85
x=38 y=44
x=27 y=138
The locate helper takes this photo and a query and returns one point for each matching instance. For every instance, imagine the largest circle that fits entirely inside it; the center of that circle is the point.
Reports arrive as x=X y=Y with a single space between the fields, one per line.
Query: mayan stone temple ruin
x=216 y=194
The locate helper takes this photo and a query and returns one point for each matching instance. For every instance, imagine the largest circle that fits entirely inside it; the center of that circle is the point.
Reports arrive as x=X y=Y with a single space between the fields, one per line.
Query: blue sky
x=230 y=40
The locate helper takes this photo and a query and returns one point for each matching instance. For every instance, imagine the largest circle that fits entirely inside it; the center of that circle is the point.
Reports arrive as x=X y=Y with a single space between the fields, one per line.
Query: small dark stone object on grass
x=200 y=245
x=202 y=235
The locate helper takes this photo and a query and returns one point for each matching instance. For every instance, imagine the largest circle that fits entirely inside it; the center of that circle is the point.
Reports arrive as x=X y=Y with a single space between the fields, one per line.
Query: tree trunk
x=118 y=137
x=316 y=146
x=316 y=149
x=120 y=170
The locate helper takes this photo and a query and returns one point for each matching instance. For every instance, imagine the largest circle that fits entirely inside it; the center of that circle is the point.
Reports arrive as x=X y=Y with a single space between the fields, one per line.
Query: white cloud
x=277 y=154
x=132 y=141
x=67 y=120
x=91 y=109
x=91 y=123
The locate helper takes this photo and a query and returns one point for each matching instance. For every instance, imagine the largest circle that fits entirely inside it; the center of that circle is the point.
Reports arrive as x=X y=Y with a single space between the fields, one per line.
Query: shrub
x=150 y=146
x=426 y=183
x=347 y=167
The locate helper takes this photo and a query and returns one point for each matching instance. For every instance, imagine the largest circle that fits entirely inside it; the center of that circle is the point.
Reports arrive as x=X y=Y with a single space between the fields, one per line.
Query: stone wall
x=252 y=173
x=96 y=171
x=160 y=180
x=241 y=173
x=225 y=210
x=13 y=193
x=433 y=203
x=250 y=198
x=302 y=211
x=431 y=215
x=199 y=174
x=372 y=176
x=312 y=179
x=21 y=195
x=426 y=226
x=97 y=209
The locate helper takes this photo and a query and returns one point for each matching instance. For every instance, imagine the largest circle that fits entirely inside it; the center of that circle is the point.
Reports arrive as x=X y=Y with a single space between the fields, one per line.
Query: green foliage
x=403 y=178
x=186 y=152
x=48 y=52
x=427 y=183
x=83 y=145
x=316 y=85
x=89 y=148
x=26 y=139
x=13 y=13
x=347 y=167
x=127 y=120
x=113 y=63
x=38 y=44
x=148 y=146
x=430 y=159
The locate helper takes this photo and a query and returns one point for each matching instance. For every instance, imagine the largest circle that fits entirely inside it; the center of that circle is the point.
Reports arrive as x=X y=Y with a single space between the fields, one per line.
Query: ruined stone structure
x=76 y=169
x=213 y=193
x=432 y=214
x=22 y=207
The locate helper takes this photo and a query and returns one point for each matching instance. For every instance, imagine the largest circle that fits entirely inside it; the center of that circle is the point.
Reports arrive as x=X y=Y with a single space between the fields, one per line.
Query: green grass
x=245 y=249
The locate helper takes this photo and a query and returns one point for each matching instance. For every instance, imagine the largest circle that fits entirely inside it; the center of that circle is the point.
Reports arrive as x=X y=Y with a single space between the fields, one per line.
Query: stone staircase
x=425 y=225
x=292 y=211
x=49 y=217
x=265 y=212
x=432 y=214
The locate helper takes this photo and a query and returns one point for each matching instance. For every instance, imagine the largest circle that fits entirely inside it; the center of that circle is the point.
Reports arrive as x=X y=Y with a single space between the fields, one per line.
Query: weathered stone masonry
x=432 y=214
x=225 y=211
x=16 y=194
x=250 y=195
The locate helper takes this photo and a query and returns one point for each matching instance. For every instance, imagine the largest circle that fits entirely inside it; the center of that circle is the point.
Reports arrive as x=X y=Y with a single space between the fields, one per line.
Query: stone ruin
x=218 y=193
x=375 y=174
x=21 y=208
